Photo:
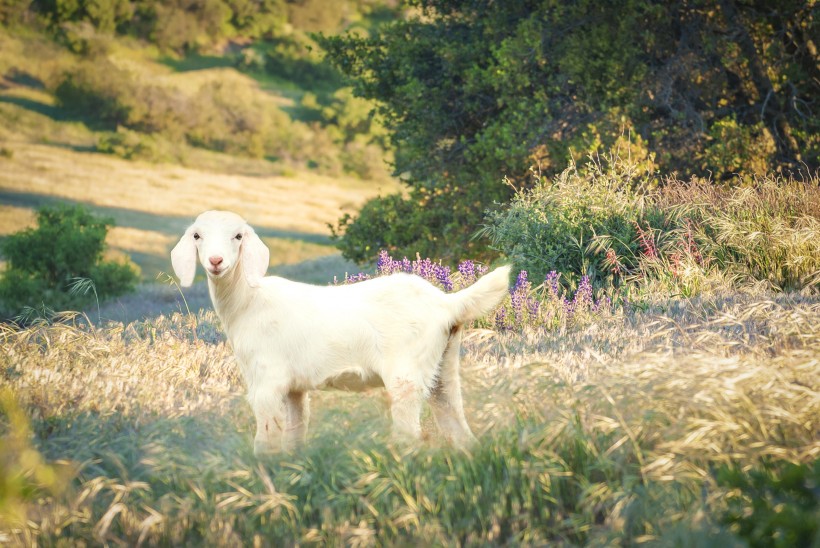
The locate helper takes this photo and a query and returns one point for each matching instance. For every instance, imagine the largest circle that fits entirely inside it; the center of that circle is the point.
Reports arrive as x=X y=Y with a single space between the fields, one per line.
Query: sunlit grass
x=606 y=433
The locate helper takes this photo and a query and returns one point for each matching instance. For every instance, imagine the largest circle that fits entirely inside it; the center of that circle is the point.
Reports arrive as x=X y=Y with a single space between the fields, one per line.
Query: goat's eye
x=196 y=235
x=239 y=236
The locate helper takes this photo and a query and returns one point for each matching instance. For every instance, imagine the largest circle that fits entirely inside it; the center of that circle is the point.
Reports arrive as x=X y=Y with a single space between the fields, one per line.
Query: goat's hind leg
x=297 y=416
x=445 y=398
x=406 y=396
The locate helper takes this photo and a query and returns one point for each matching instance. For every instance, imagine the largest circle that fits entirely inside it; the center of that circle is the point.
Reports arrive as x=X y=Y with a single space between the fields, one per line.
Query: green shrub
x=67 y=245
x=395 y=220
x=97 y=89
x=564 y=224
x=295 y=58
x=737 y=149
x=129 y=145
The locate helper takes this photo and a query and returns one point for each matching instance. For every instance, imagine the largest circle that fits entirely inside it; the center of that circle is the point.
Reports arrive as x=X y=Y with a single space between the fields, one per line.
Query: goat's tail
x=480 y=298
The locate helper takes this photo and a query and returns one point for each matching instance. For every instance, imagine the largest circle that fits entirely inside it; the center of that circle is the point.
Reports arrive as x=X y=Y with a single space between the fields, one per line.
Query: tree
x=476 y=92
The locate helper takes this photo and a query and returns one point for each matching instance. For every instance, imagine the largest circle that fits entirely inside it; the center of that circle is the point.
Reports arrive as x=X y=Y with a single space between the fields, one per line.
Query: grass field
x=606 y=434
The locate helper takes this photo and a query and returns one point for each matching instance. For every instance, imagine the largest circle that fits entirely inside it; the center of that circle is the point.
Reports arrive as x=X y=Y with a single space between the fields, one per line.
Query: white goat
x=397 y=331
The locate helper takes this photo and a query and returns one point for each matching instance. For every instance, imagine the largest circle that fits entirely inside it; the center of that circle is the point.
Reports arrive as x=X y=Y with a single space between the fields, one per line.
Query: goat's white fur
x=395 y=331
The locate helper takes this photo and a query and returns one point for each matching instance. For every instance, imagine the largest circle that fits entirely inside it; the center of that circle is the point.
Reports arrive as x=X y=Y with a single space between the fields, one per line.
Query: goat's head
x=222 y=240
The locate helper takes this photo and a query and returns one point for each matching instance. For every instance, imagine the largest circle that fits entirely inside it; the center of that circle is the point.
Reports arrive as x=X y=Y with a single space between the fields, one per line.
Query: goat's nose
x=216 y=260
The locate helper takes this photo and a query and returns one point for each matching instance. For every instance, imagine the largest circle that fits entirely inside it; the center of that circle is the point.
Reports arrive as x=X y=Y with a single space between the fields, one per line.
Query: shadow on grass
x=145 y=445
x=195 y=62
x=51 y=111
x=55 y=113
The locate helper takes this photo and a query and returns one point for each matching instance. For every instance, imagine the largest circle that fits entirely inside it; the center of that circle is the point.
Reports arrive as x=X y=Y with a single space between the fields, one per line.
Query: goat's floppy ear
x=183 y=259
x=255 y=257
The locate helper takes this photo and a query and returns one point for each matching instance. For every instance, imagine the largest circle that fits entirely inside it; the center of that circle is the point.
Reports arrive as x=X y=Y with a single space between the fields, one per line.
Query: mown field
x=622 y=431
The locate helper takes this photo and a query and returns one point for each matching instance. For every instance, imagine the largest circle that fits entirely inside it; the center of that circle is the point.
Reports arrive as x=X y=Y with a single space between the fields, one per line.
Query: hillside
x=49 y=154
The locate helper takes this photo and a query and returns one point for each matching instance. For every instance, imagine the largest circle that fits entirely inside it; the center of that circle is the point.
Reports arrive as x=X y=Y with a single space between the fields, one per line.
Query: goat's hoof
x=264 y=449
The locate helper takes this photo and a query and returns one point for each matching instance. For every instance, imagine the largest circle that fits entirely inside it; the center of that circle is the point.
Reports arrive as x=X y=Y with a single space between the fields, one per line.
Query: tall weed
x=617 y=224
x=766 y=229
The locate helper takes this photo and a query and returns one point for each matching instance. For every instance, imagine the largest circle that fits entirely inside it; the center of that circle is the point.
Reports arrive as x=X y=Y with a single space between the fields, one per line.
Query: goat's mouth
x=216 y=272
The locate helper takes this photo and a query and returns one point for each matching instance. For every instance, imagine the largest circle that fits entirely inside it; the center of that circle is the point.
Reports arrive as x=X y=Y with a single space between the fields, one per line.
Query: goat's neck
x=231 y=296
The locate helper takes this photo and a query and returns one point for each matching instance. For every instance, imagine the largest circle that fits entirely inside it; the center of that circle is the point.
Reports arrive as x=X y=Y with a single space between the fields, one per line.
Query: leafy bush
x=553 y=225
x=295 y=58
x=737 y=149
x=477 y=90
x=225 y=116
x=129 y=145
x=395 y=219
x=607 y=221
x=67 y=245
x=97 y=89
x=350 y=122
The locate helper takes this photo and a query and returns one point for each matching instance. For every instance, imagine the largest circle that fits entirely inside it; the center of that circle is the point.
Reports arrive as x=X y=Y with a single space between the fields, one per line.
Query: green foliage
x=351 y=124
x=130 y=145
x=477 y=91
x=98 y=88
x=13 y=12
x=775 y=503
x=738 y=149
x=552 y=225
x=24 y=474
x=225 y=116
x=190 y=25
x=295 y=58
x=394 y=218
x=67 y=244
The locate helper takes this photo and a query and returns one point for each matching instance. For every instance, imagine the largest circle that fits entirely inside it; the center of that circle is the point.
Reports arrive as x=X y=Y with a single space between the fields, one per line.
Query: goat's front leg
x=281 y=420
x=269 y=409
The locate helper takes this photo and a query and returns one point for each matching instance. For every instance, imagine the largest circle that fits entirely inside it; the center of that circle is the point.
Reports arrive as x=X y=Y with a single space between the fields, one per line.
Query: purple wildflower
x=533 y=307
x=442 y=275
x=602 y=304
x=551 y=282
x=501 y=319
x=467 y=269
x=521 y=281
x=360 y=277
x=384 y=264
x=424 y=268
x=521 y=300
x=583 y=295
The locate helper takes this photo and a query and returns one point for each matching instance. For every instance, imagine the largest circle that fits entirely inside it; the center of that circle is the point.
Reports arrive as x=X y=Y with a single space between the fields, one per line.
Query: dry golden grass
x=620 y=422
x=152 y=204
x=303 y=205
